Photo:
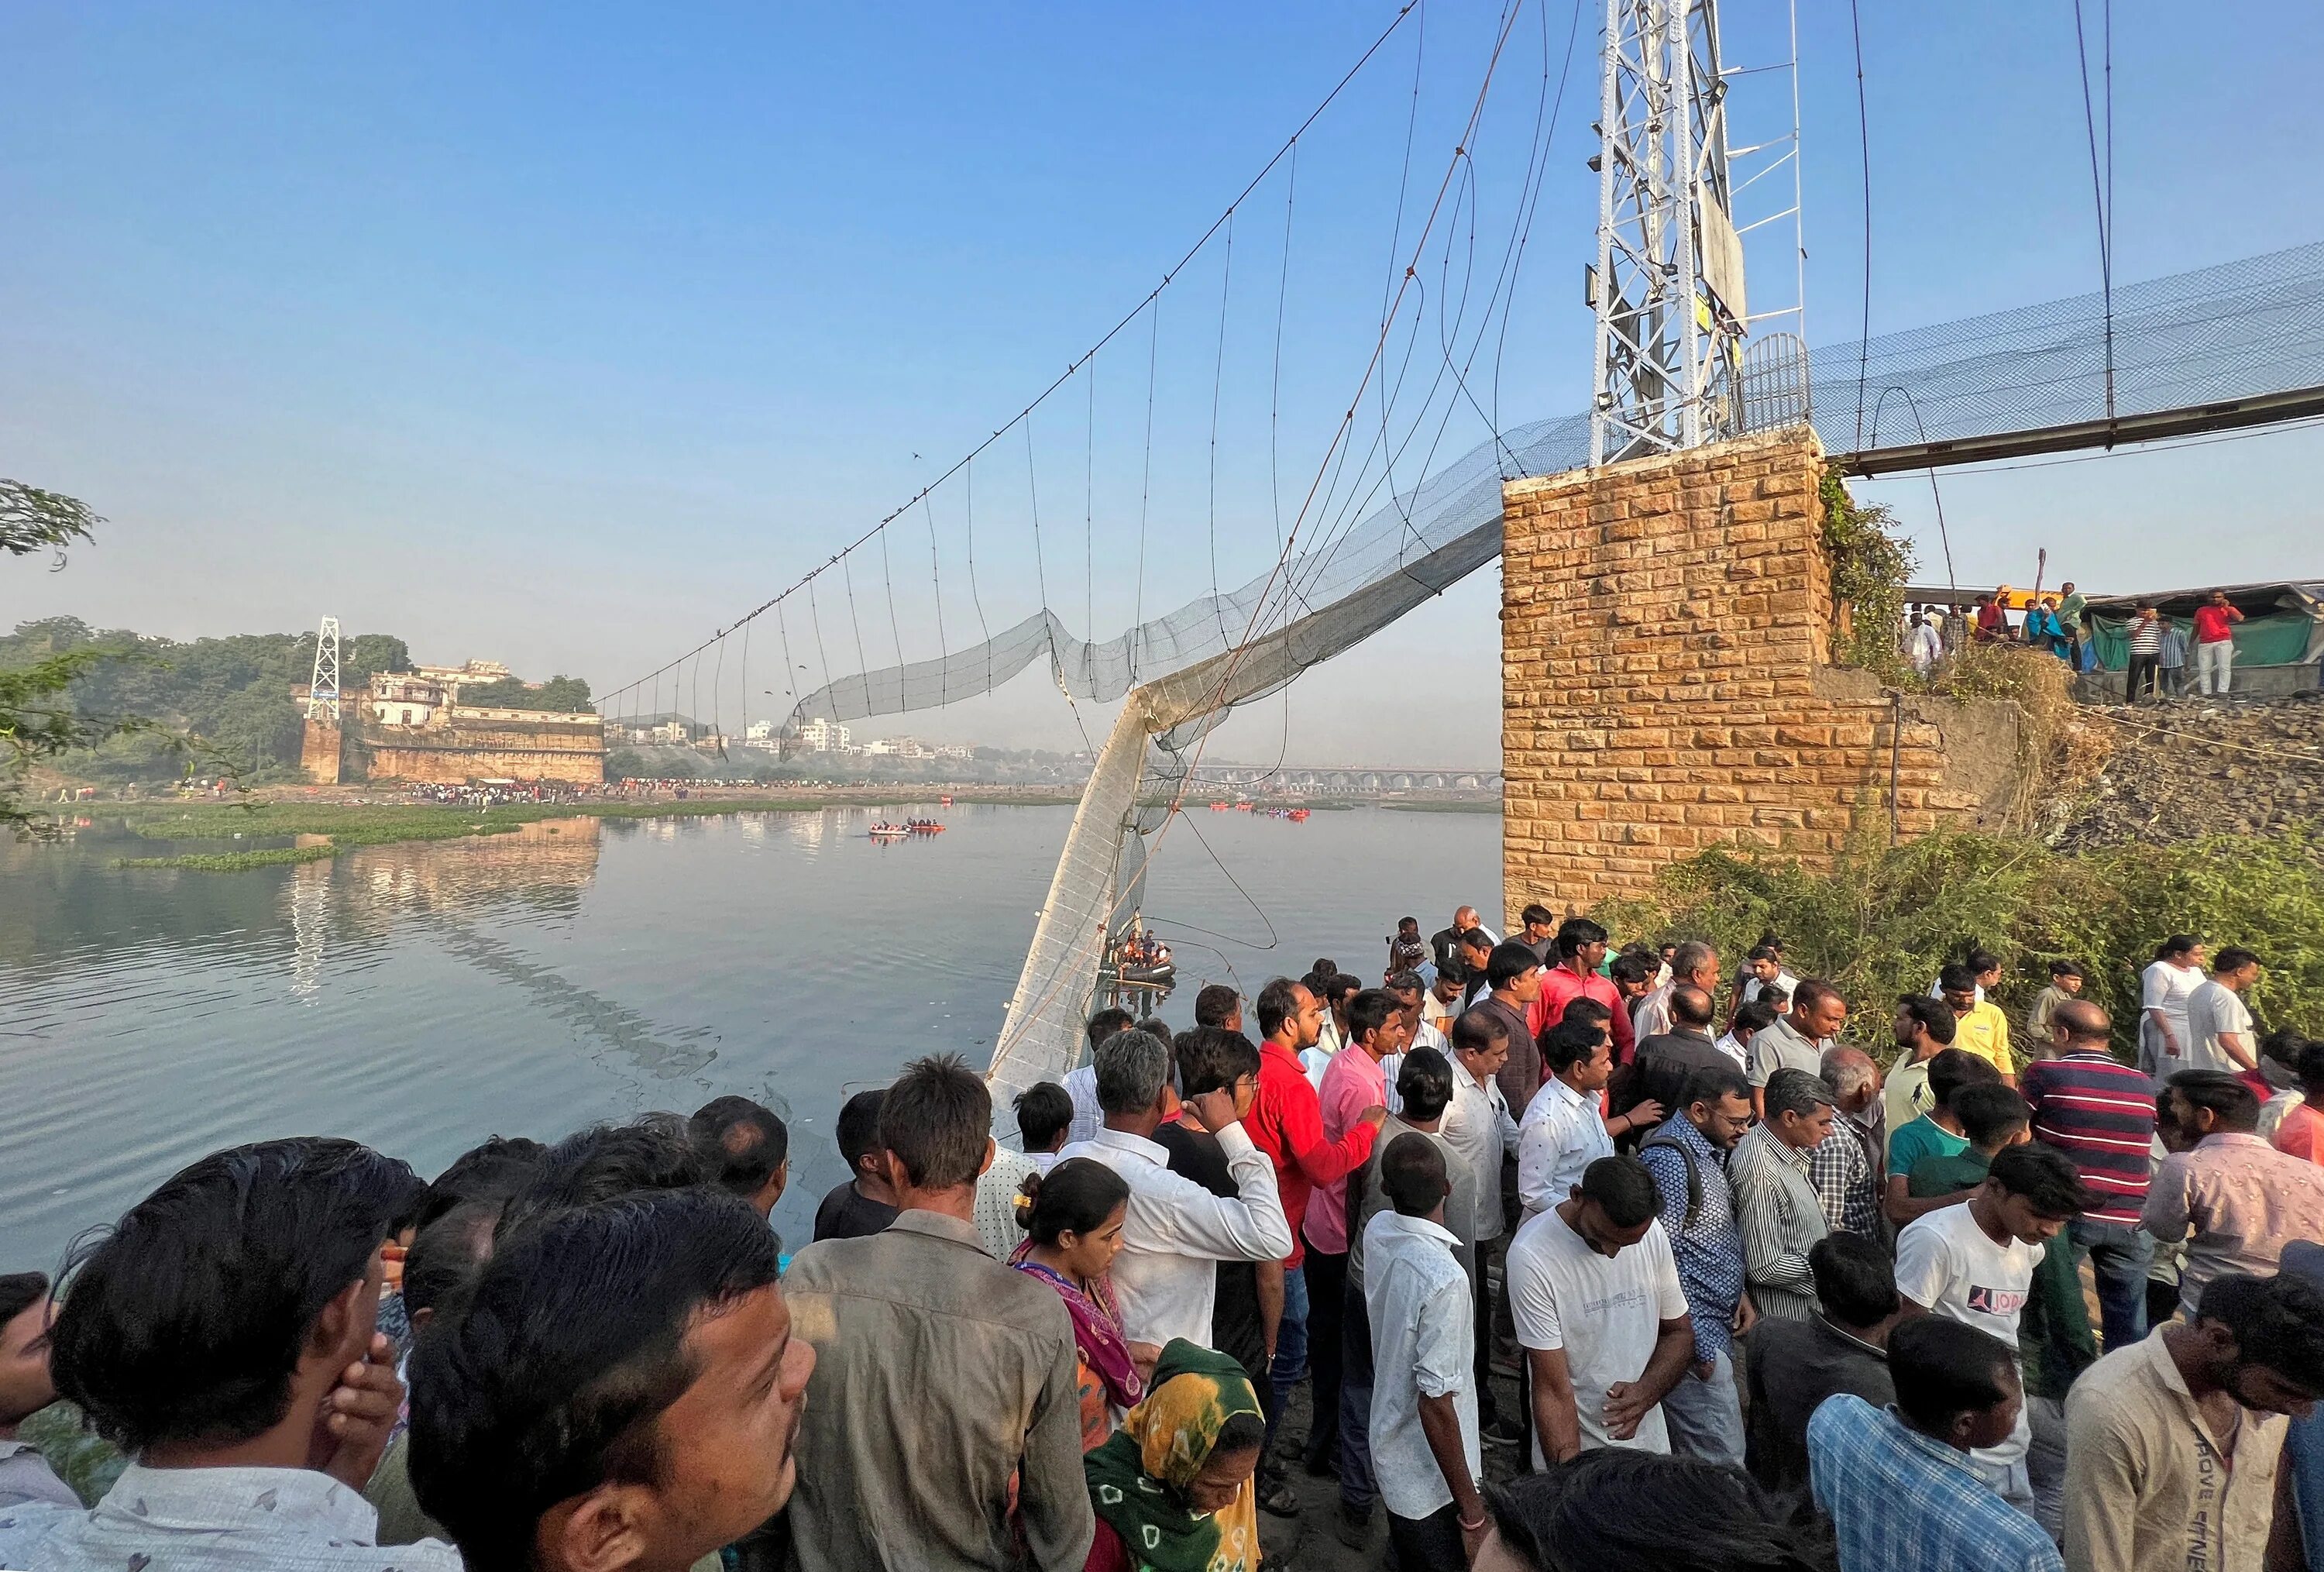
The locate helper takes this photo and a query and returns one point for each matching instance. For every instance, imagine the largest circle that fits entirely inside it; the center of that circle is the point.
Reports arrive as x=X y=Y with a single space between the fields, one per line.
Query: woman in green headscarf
x=1173 y=1486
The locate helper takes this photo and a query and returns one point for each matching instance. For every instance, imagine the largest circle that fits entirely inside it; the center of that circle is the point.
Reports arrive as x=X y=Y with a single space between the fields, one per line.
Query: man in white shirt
x=1479 y=1130
x=1562 y=1133
x=1177 y=1232
x=1081 y=1083
x=2219 y=1022
x=1693 y=962
x=1975 y=1264
x=224 y=1331
x=1443 y=1003
x=1765 y=965
x=1594 y=1290
x=1425 y=1446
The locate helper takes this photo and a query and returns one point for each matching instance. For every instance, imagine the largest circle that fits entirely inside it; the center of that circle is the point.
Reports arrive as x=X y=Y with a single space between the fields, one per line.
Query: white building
x=823 y=737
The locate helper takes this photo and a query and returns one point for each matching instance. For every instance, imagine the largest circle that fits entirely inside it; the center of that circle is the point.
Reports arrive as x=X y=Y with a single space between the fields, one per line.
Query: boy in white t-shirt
x=1594 y=1291
x=1975 y=1264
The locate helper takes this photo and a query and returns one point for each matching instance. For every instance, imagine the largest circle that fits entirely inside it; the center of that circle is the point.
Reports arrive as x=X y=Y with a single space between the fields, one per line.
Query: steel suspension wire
x=1218 y=378
x=1145 y=483
x=975 y=598
x=1275 y=385
x=2101 y=186
x=1089 y=519
x=962 y=464
x=1266 y=601
x=1864 y=141
x=936 y=575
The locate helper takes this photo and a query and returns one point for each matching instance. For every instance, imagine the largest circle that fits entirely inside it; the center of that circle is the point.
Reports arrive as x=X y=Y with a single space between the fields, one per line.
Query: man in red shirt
x=1286 y=1123
x=1581 y=946
x=2215 y=643
x=1992 y=622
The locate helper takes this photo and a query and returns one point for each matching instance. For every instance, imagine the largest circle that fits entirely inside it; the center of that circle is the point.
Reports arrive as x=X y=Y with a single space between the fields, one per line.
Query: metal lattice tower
x=323 y=692
x=1668 y=283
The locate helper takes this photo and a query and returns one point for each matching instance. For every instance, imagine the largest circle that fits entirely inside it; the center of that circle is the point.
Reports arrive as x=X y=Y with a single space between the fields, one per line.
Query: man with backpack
x=1687 y=1156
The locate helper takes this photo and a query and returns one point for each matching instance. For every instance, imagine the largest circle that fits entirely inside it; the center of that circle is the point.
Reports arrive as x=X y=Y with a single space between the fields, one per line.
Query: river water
x=421 y=998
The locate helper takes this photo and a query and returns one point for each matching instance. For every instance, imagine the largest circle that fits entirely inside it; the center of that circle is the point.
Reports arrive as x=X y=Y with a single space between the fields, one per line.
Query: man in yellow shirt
x=1978 y=1025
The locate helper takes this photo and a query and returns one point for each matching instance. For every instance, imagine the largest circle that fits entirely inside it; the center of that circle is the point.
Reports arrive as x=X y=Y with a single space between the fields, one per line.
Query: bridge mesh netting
x=2245 y=327
x=2241 y=329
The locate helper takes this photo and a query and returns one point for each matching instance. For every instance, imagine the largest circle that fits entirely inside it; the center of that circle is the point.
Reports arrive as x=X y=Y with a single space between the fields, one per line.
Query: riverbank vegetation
x=1885 y=919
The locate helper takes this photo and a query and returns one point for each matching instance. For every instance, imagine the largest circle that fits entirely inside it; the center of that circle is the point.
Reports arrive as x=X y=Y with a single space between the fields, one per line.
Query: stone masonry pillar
x=1664 y=628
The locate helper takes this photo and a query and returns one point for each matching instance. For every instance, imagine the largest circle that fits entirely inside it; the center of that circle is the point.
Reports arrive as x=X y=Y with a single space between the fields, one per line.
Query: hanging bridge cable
x=746 y=681
x=1145 y=486
x=694 y=704
x=936 y=577
x=975 y=598
x=1936 y=493
x=1218 y=379
x=1545 y=136
x=1275 y=422
x=1040 y=570
x=862 y=662
x=1864 y=145
x=1389 y=286
x=895 y=628
x=1049 y=618
x=2101 y=202
x=1329 y=98
x=717 y=681
x=1089 y=528
x=1233 y=664
x=815 y=620
x=790 y=668
x=1275 y=386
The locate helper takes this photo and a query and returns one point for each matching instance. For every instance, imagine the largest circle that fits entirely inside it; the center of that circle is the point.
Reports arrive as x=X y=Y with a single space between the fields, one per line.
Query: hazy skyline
x=561 y=336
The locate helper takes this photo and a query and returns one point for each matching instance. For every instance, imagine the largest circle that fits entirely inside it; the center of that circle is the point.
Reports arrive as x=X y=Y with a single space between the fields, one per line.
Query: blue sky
x=560 y=335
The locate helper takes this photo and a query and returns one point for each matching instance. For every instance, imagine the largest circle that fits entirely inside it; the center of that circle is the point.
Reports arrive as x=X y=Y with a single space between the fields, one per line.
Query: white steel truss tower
x=1668 y=283
x=323 y=692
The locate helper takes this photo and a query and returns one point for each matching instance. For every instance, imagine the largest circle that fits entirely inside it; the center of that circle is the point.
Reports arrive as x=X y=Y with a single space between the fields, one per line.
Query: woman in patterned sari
x=1072 y=1216
x=1172 y=1487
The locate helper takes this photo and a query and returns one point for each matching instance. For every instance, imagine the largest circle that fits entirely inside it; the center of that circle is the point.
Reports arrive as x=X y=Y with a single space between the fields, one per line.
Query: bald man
x=2100 y=1112
x=1846 y=1168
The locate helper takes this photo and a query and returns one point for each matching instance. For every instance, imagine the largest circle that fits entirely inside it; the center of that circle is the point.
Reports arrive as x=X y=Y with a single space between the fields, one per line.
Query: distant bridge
x=1326 y=780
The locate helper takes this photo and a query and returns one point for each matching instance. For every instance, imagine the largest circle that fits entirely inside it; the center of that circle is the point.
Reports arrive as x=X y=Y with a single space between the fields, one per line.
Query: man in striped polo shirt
x=2100 y=1112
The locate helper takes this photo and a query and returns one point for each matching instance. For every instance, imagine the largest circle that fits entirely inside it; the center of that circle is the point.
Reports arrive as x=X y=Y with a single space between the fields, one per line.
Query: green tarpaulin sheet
x=2277 y=639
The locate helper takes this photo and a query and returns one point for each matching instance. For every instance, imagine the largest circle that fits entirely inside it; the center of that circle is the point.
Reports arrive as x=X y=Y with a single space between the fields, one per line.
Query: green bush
x=1885 y=920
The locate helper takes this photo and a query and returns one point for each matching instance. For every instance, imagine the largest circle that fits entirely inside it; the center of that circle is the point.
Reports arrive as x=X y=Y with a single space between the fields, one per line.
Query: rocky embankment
x=2191 y=767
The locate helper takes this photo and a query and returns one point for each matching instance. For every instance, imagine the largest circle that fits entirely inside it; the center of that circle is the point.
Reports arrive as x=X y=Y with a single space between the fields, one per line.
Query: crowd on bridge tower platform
x=1534 y=1254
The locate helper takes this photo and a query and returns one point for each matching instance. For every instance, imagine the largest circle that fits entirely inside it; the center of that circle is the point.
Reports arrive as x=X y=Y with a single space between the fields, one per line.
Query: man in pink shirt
x=2215 y=643
x=1581 y=947
x=1354 y=1097
x=1286 y=1123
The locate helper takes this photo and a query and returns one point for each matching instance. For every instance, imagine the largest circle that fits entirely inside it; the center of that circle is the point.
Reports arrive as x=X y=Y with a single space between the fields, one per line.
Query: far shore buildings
x=411 y=725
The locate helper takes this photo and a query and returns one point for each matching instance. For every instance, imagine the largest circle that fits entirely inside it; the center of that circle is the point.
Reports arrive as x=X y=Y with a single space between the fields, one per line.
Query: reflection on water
x=422 y=996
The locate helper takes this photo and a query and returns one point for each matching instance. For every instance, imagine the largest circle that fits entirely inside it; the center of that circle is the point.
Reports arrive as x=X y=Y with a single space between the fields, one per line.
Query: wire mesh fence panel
x=2241 y=329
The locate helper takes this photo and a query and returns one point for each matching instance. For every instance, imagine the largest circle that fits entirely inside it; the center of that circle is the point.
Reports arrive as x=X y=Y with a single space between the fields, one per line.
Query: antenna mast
x=323 y=692
x=1668 y=283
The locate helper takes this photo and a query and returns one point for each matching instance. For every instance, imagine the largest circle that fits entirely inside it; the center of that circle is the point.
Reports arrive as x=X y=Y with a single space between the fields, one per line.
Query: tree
x=566 y=695
x=33 y=520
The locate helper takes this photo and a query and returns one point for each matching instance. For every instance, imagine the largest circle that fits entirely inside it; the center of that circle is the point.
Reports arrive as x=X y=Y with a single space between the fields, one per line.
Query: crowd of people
x=2165 y=660
x=1565 y=1258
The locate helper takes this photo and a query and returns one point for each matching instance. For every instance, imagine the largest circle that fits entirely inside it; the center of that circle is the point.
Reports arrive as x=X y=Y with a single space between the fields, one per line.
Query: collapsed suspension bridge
x=1381 y=525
